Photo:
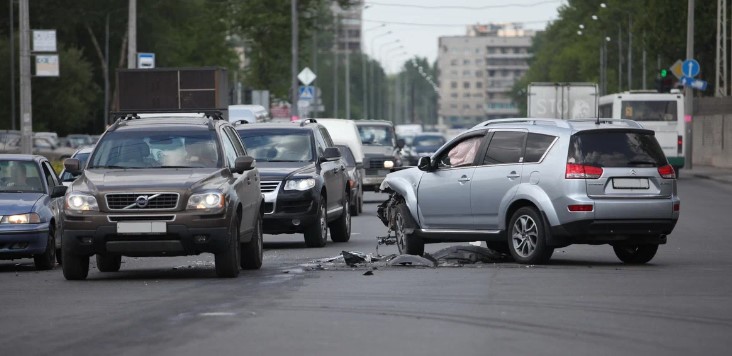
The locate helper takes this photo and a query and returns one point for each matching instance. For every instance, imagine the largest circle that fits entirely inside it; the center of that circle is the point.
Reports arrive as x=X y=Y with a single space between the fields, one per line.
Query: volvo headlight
x=300 y=184
x=210 y=200
x=81 y=202
x=30 y=218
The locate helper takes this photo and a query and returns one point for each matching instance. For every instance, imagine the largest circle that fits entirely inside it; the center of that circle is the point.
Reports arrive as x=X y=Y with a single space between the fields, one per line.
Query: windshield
x=20 y=177
x=66 y=176
x=428 y=141
x=278 y=146
x=129 y=149
x=377 y=135
x=649 y=110
x=616 y=149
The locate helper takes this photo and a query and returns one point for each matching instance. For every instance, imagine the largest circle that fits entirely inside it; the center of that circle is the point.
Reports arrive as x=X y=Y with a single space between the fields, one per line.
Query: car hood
x=18 y=203
x=378 y=151
x=282 y=170
x=133 y=180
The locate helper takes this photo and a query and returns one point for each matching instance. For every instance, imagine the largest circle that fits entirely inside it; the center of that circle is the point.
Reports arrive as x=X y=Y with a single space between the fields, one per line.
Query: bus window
x=649 y=110
x=606 y=110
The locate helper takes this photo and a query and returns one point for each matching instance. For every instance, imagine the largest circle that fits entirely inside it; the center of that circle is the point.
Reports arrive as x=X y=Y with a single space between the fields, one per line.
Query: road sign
x=146 y=60
x=47 y=65
x=676 y=69
x=306 y=76
x=690 y=68
x=44 y=40
x=694 y=83
x=306 y=93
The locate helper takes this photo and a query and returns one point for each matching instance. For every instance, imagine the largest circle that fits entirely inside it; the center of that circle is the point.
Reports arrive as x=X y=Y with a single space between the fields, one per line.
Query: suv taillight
x=680 y=144
x=581 y=171
x=667 y=172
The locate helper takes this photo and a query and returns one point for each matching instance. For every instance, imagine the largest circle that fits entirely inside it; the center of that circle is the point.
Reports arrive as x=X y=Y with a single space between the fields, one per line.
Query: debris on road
x=368 y=273
x=468 y=254
x=411 y=260
x=353 y=258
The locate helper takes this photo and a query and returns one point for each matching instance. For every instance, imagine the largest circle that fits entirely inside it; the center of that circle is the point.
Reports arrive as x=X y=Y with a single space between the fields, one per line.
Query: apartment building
x=478 y=71
x=348 y=35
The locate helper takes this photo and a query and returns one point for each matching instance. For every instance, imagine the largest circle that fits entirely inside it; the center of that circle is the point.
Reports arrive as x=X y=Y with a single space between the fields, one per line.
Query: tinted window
x=49 y=175
x=278 y=145
x=148 y=147
x=378 y=135
x=326 y=137
x=461 y=154
x=649 y=110
x=229 y=150
x=427 y=141
x=347 y=155
x=615 y=149
x=67 y=176
x=236 y=141
x=505 y=147
x=536 y=145
x=20 y=176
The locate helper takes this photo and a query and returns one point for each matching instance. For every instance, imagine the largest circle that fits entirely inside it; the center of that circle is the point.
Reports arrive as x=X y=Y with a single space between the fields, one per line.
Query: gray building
x=478 y=70
x=348 y=35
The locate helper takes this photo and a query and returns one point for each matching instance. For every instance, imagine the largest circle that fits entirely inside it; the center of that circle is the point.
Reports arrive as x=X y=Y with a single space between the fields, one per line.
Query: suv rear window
x=616 y=149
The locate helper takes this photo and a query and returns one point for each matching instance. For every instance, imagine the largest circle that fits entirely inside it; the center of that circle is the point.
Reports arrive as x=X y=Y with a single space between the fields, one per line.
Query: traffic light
x=664 y=81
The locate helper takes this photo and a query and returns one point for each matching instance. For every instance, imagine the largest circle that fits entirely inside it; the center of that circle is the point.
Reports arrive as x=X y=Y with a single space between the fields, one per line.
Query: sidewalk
x=723 y=175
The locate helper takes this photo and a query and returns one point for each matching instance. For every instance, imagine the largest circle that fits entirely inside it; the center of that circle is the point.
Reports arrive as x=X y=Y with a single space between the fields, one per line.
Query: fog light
x=200 y=239
x=19 y=246
x=296 y=222
x=86 y=240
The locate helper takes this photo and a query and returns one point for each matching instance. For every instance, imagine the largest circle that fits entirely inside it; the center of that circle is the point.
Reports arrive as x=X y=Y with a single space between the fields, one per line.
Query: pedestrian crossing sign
x=306 y=92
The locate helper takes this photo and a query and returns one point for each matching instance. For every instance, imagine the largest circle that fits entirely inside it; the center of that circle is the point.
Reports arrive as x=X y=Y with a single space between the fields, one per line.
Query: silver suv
x=528 y=186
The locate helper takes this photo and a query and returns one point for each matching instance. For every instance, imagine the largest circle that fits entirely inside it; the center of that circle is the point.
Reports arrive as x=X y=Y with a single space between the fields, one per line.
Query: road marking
x=217 y=314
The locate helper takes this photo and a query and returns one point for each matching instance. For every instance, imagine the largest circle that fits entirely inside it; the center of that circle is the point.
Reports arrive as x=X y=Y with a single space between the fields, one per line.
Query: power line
x=444 y=24
x=458 y=7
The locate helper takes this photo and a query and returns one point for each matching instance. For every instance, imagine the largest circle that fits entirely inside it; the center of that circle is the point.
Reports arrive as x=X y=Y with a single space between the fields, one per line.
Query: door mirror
x=73 y=166
x=58 y=191
x=243 y=163
x=424 y=164
x=400 y=143
x=331 y=154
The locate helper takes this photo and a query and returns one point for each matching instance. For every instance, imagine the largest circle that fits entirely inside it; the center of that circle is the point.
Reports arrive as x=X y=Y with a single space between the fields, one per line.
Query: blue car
x=30 y=203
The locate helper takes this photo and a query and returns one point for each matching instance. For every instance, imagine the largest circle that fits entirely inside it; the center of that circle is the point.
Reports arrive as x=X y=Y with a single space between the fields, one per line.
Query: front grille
x=293 y=207
x=116 y=218
x=376 y=162
x=129 y=201
x=269 y=186
x=268 y=208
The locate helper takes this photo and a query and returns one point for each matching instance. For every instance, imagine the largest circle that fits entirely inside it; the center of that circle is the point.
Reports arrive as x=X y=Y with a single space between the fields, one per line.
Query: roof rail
x=212 y=113
x=240 y=122
x=531 y=121
x=629 y=123
x=304 y=122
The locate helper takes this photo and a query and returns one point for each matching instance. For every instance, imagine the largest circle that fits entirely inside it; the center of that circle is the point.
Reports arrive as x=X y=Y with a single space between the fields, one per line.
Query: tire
x=251 y=252
x=526 y=237
x=57 y=236
x=635 y=254
x=316 y=234
x=109 y=263
x=501 y=247
x=354 y=206
x=47 y=260
x=75 y=267
x=340 y=229
x=406 y=243
x=360 y=202
x=227 y=262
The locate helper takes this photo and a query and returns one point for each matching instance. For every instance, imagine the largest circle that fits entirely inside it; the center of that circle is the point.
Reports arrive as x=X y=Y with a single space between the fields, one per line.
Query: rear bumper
x=612 y=231
x=23 y=241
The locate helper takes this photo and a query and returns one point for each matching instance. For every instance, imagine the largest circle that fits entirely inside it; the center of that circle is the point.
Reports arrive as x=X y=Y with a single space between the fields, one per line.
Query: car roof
x=374 y=122
x=558 y=126
x=20 y=157
x=276 y=125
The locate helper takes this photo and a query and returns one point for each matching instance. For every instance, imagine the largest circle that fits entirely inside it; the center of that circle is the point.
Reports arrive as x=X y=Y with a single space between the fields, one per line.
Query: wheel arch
x=407 y=191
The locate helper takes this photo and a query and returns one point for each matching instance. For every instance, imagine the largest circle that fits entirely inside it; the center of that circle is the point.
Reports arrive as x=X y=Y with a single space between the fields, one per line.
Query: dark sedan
x=354 y=179
x=29 y=208
x=424 y=145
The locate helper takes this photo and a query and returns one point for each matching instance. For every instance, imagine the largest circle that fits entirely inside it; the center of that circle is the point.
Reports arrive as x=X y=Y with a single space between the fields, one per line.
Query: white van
x=345 y=132
x=250 y=113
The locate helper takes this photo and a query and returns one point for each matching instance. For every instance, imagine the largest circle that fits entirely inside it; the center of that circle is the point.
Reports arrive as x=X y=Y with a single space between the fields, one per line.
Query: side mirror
x=72 y=165
x=58 y=191
x=400 y=143
x=424 y=164
x=244 y=163
x=331 y=154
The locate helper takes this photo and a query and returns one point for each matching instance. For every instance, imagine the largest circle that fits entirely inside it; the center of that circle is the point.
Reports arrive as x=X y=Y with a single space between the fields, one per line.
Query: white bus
x=660 y=112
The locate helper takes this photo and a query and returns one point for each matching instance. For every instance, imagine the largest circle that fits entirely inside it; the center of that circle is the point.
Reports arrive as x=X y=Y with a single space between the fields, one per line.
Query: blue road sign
x=306 y=92
x=694 y=83
x=690 y=68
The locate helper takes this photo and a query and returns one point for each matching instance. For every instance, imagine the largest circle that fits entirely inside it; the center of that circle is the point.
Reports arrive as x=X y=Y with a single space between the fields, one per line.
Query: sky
x=407 y=19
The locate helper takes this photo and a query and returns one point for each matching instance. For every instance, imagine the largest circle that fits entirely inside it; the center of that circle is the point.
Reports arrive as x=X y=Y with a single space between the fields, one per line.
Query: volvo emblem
x=632 y=172
x=141 y=201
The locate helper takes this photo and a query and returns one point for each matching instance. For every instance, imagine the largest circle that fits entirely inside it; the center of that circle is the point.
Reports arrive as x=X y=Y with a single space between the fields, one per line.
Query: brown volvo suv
x=164 y=185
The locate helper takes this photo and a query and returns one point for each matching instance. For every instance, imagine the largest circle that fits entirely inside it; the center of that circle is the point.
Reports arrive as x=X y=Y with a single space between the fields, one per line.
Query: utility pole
x=364 y=96
x=132 y=30
x=620 y=61
x=630 y=53
x=335 y=67
x=293 y=63
x=12 y=65
x=314 y=110
x=720 y=82
x=688 y=91
x=348 y=76
x=106 y=72
x=26 y=114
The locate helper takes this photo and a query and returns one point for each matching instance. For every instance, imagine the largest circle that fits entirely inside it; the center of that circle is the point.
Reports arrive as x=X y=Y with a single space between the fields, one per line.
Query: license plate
x=630 y=183
x=142 y=227
x=383 y=172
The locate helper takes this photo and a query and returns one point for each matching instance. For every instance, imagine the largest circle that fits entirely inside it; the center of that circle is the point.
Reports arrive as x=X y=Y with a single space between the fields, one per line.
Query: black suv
x=304 y=181
x=164 y=185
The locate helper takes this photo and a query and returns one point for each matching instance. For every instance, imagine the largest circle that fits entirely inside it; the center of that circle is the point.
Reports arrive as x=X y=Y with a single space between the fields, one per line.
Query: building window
x=466 y=85
x=466 y=73
x=453 y=85
x=491 y=73
x=479 y=85
x=466 y=95
x=454 y=62
x=466 y=62
x=453 y=106
x=517 y=73
x=454 y=72
x=491 y=50
x=479 y=73
x=454 y=95
x=479 y=61
x=478 y=106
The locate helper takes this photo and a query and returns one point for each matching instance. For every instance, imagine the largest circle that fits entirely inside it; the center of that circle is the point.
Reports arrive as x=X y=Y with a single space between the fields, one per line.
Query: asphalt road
x=584 y=302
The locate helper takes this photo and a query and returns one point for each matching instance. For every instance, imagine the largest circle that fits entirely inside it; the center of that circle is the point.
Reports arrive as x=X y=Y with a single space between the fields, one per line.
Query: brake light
x=677 y=206
x=667 y=172
x=680 y=142
x=580 y=208
x=351 y=184
x=581 y=171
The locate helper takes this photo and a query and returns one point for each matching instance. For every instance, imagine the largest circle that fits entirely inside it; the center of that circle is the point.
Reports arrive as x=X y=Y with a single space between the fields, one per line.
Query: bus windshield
x=665 y=110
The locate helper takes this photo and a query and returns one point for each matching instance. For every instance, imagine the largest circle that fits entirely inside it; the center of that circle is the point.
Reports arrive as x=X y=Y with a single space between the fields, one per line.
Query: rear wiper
x=638 y=163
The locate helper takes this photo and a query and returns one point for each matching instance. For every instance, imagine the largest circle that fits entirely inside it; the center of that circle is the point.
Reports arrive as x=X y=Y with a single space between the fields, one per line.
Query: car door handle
x=512 y=175
x=464 y=179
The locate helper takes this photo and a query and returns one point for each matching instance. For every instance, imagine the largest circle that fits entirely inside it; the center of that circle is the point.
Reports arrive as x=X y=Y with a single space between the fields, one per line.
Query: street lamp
x=374 y=84
x=370 y=86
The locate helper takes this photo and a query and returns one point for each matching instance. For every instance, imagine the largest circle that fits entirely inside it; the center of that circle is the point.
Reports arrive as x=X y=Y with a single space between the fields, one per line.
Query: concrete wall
x=712 y=128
